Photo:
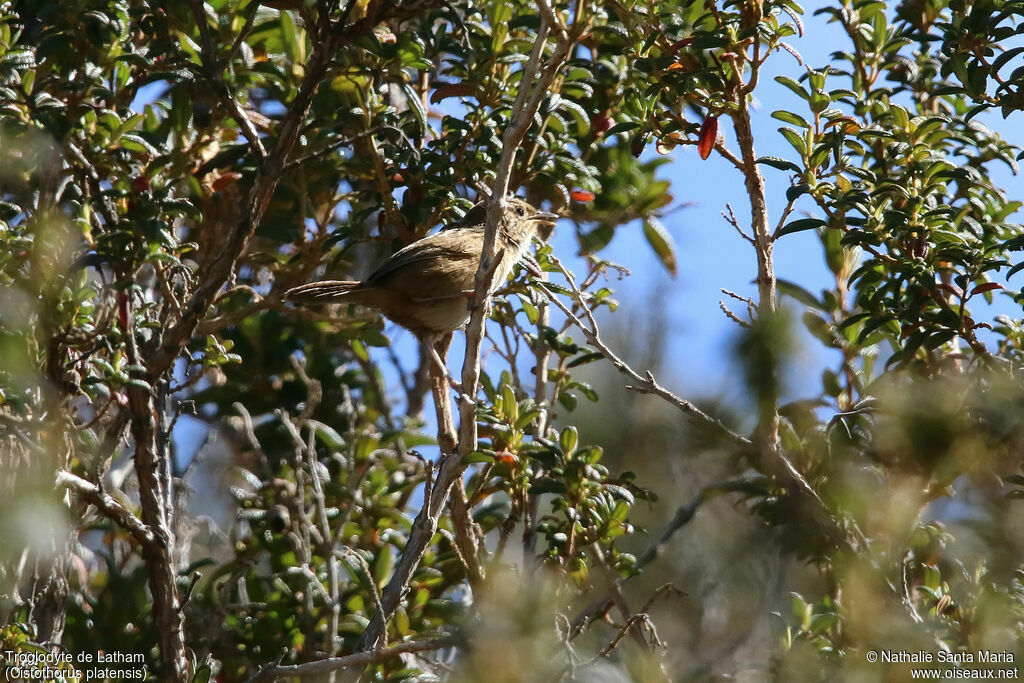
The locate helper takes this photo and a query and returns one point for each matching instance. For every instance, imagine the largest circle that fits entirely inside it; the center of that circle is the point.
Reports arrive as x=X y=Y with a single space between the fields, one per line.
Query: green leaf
x=416 y=107
x=568 y=440
x=1016 y=269
x=623 y=127
x=661 y=242
x=793 y=85
x=585 y=358
x=483 y=455
x=939 y=338
x=791 y=118
x=547 y=485
x=384 y=564
x=779 y=163
x=800 y=294
x=289 y=35
x=799 y=225
x=795 y=139
x=134 y=142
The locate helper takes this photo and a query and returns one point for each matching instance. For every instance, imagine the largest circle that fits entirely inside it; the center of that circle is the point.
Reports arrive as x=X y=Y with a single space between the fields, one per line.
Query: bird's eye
x=520 y=211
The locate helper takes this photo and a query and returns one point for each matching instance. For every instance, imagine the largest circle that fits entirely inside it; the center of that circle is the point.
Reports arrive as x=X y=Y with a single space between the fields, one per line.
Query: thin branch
x=338 y=144
x=334 y=583
x=250 y=18
x=367 y=574
x=782 y=219
x=628 y=627
x=732 y=316
x=542 y=355
x=326 y=666
x=751 y=306
x=727 y=154
x=730 y=217
x=646 y=384
x=107 y=505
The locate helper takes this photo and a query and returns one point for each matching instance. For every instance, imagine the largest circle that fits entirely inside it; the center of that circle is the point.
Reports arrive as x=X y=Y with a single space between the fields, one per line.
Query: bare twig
x=646 y=383
x=751 y=306
x=730 y=217
x=325 y=666
x=782 y=219
x=335 y=146
x=334 y=583
x=732 y=316
x=367 y=574
x=107 y=505
x=542 y=354
x=466 y=546
x=728 y=154
x=629 y=627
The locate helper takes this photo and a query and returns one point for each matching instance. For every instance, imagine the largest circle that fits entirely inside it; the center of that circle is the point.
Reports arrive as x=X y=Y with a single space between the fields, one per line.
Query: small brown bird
x=427 y=286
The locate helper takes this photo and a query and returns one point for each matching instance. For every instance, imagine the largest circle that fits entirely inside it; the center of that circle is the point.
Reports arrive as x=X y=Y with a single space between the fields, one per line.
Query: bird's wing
x=439 y=251
x=324 y=291
x=474 y=217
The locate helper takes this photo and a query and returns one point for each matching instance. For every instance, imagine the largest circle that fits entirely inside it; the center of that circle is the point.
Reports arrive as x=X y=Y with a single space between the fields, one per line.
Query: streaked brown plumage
x=424 y=286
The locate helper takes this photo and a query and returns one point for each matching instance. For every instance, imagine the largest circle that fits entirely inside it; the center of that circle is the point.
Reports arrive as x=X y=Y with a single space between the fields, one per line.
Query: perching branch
x=465 y=528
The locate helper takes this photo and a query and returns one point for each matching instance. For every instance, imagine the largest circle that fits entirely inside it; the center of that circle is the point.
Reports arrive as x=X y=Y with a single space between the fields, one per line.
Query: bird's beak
x=545 y=221
x=546 y=218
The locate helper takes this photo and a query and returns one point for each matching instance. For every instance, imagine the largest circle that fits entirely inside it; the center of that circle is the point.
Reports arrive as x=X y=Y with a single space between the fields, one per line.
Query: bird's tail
x=323 y=292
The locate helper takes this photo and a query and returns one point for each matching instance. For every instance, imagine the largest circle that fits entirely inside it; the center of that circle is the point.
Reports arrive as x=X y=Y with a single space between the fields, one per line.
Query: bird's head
x=522 y=220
